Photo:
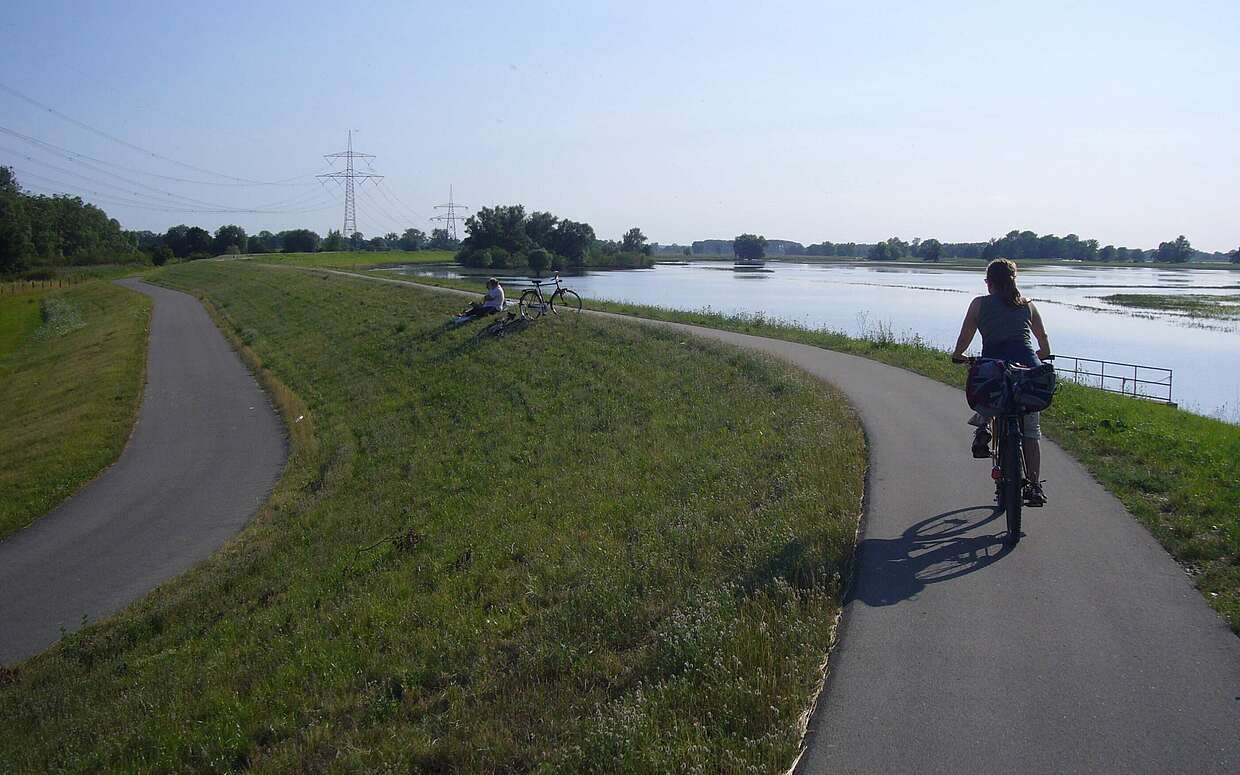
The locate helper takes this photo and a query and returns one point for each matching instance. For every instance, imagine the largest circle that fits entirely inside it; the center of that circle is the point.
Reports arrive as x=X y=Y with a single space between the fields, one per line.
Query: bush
x=498 y=258
x=478 y=259
x=161 y=255
x=198 y=255
x=538 y=259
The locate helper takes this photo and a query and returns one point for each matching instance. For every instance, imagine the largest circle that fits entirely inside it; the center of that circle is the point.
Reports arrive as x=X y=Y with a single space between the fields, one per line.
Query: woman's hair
x=492 y=281
x=1001 y=273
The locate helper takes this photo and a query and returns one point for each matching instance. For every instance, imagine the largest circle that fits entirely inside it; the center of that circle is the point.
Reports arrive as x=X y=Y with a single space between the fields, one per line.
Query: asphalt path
x=1083 y=649
x=204 y=454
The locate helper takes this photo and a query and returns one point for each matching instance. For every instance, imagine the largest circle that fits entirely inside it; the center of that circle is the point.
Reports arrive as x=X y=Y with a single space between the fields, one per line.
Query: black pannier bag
x=995 y=387
x=1033 y=389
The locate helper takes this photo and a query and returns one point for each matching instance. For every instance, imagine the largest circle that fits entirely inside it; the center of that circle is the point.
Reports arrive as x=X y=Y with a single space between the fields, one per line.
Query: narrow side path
x=205 y=452
x=1084 y=649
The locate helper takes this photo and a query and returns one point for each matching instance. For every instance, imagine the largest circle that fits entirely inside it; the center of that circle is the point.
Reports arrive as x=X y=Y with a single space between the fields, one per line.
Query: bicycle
x=508 y=324
x=1007 y=457
x=533 y=304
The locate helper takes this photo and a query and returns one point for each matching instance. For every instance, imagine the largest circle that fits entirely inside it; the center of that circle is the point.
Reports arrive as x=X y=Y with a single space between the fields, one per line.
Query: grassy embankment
x=1174 y=470
x=1197 y=305
x=71 y=368
x=357 y=259
x=589 y=546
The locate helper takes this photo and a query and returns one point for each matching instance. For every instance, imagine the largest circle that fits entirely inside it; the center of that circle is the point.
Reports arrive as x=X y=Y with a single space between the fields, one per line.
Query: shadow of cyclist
x=943 y=547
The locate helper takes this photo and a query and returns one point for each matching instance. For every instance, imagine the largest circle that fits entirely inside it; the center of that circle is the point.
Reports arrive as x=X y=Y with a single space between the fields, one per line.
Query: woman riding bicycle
x=1009 y=323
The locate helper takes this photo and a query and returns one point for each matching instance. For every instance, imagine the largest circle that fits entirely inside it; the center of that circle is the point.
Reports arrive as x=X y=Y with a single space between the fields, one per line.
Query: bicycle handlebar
x=972 y=359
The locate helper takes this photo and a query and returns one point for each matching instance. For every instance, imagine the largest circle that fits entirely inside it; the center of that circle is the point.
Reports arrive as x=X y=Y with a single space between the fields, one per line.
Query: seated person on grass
x=491 y=303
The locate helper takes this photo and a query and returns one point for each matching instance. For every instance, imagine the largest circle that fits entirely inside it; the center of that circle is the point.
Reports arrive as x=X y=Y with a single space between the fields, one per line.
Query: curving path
x=1084 y=649
x=204 y=454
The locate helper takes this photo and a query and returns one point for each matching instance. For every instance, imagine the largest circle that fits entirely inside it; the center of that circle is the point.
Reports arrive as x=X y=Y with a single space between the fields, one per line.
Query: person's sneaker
x=981 y=442
x=1034 y=496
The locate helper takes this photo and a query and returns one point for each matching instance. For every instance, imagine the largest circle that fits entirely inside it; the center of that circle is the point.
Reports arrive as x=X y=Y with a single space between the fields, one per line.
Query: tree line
x=1016 y=245
x=504 y=237
x=193 y=242
x=51 y=230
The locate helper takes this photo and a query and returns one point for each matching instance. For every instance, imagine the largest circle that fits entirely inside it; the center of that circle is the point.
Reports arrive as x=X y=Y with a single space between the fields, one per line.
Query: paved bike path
x=1084 y=649
x=205 y=452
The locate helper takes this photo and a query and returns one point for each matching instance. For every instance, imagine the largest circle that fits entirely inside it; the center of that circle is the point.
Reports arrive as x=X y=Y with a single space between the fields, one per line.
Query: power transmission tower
x=347 y=178
x=451 y=217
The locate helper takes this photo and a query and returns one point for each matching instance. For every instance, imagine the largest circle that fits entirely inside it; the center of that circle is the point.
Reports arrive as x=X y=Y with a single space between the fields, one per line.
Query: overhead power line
x=160 y=195
x=62 y=187
x=132 y=146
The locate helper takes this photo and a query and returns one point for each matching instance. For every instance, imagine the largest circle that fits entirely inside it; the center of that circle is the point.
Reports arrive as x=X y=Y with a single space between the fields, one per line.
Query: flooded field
x=929 y=302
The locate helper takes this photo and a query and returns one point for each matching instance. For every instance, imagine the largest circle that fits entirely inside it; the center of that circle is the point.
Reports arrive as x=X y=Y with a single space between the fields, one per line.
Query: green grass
x=19 y=318
x=1193 y=304
x=590 y=546
x=1173 y=470
x=358 y=259
x=71 y=369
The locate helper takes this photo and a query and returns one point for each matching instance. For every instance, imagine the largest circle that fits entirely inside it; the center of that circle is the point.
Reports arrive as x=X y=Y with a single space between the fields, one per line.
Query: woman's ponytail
x=1002 y=276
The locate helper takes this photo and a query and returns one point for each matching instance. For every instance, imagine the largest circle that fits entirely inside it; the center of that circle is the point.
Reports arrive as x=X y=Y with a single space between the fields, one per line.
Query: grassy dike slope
x=588 y=546
x=1175 y=471
x=71 y=367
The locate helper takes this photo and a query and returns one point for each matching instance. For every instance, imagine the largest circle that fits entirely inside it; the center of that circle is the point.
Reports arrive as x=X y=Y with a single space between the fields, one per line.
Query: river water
x=910 y=300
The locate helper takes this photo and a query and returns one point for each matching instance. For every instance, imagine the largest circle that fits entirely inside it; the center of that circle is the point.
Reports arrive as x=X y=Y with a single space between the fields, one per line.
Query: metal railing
x=1129 y=379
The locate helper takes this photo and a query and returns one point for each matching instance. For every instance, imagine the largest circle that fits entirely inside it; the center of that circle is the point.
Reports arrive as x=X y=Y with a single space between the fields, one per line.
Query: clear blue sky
x=806 y=121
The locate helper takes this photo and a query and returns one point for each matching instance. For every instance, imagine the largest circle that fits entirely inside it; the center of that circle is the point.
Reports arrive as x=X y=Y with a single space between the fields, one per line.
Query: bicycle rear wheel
x=565 y=301
x=1012 y=480
x=531 y=306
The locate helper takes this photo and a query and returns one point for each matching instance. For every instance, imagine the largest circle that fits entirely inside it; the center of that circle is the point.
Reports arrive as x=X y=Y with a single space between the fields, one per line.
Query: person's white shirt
x=494 y=298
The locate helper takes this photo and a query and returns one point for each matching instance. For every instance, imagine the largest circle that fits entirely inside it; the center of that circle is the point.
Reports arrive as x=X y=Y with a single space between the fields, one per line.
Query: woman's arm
x=968 y=328
x=1039 y=332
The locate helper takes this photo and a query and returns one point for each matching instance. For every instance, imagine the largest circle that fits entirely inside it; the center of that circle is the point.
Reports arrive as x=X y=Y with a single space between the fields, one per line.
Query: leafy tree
x=572 y=239
x=377 y=244
x=265 y=242
x=930 y=250
x=540 y=228
x=8 y=182
x=500 y=226
x=161 y=255
x=1234 y=256
x=356 y=241
x=412 y=239
x=299 y=241
x=334 y=241
x=633 y=240
x=441 y=240
x=228 y=237
x=1176 y=252
x=538 y=259
x=749 y=247
x=881 y=252
x=16 y=245
x=686 y=252
x=1108 y=253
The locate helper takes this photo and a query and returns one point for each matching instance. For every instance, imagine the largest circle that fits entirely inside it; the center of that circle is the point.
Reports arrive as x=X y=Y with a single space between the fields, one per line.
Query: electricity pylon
x=451 y=217
x=346 y=178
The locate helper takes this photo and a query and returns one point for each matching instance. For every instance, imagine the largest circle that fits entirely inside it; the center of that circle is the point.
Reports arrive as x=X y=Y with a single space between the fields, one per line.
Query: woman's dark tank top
x=1006 y=331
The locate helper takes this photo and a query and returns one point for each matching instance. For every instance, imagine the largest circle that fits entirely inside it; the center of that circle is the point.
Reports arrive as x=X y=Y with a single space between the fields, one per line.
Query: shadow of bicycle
x=941 y=548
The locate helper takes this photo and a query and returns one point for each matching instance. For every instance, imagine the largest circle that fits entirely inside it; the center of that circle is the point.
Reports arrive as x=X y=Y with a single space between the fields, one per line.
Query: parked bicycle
x=503 y=326
x=1011 y=392
x=533 y=303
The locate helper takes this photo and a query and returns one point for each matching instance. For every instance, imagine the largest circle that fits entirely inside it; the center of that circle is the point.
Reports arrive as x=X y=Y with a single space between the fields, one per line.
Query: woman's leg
x=1033 y=460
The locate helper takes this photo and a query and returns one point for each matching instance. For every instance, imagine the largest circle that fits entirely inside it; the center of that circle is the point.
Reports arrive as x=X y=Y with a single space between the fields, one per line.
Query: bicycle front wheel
x=1012 y=480
x=565 y=301
x=531 y=305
